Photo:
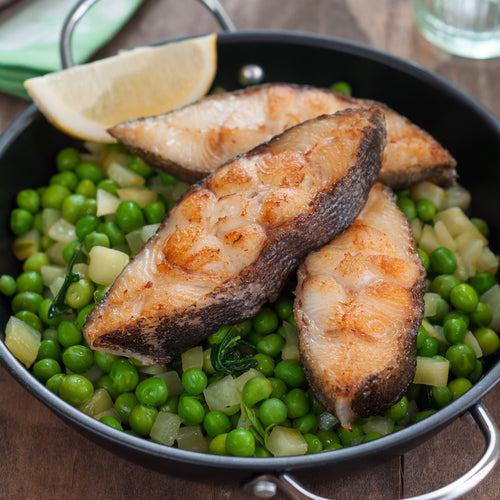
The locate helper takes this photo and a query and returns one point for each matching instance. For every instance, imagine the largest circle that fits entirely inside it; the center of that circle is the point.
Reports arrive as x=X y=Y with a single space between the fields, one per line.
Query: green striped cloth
x=29 y=37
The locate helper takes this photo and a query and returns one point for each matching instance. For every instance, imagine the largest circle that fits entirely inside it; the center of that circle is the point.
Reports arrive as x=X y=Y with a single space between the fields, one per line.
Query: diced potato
x=138 y=238
x=428 y=240
x=111 y=412
x=50 y=273
x=165 y=430
x=81 y=269
x=49 y=217
x=26 y=245
x=430 y=191
x=192 y=358
x=285 y=442
x=469 y=234
x=327 y=421
x=55 y=253
x=124 y=176
x=431 y=300
x=223 y=396
x=148 y=231
x=56 y=285
x=416 y=227
x=22 y=340
x=96 y=148
x=153 y=369
x=431 y=371
x=191 y=438
x=105 y=264
x=141 y=196
x=492 y=298
x=444 y=237
x=110 y=157
x=99 y=401
x=458 y=196
x=382 y=425
x=245 y=377
x=170 y=193
x=470 y=255
x=471 y=341
x=173 y=381
x=457 y=223
x=106 y=203
x=291 y=348
x=435 y=331
x=62 y=230
x=487 y=261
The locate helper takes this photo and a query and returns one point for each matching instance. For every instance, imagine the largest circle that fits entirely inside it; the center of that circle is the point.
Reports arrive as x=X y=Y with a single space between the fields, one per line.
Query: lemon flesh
x=85 y=100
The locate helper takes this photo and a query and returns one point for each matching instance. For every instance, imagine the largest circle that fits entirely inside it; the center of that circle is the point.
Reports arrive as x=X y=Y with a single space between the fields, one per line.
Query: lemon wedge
x=85 y=100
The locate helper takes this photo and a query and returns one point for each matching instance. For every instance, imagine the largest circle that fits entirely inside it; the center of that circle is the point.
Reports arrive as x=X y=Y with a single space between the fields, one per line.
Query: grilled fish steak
x=192 y=141
x=358 y=306
x=233 y=240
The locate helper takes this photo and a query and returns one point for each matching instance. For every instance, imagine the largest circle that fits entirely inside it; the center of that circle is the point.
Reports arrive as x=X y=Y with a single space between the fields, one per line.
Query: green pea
x=424 y=257
x=240 y=443
x=488 y=340
x=194 y=381
x=129 y=216
x=82 y=315
x=79 y=294
x=113 y=232
x=442 y=309
x=46 y=241
x=30 y=281
x=139 y=167
x=457 y=315
x=272 y=411
x=464 y=298
x=54 y=196
x=89 y=170
x=255 y=390
x=96 y=239
x=54 y=382
x=21 y=221
x=67 y=179
x=283 y=307
x=482 y=282
x=190 y=411
x=398 y=410
x=29 y=199
x=111 y=421
x=341 y=86
x=26 y=301
x=49 y=348
x=313 y=443
x=86 y=188
x=142 y=418
x=459 y=386
x=476 y=372
x=44 y=369
x=421 y=415
x=124 y=375
x=72 y=207
x=297 y=402
x=78 y=358
x=328 y=437
x=265 y=364
x=454 y=330
x=43 y=313
x=279 y=387
x=106 y=383
x=371 y=436
x=290 y=372
x=49 y=334
x=154 y=212
x=75 y=389
x=271 y=344
x=306 y=423
x=462 y=359
x=109 y=185
x=443 y=284
x=352 y=437
x=86 y=225
x=30 y=319
x=430 y=348
x=89 y=207
x=481 y=225
x=421 y=336
x=442 y=396
x=8 y=285
x=426 y=210
x=171 y=404
x=443 y=261
x=152 y=391
x=104 y=360
x=265 y=321
x=261 y=452
x=69 y=251
x=215 y=423
x=217 y=445
x=407 y=206
x=482 y=315
x=167 y=179
x=35 y=262
x=68 y=334
x=67 y=159
x=124 y=404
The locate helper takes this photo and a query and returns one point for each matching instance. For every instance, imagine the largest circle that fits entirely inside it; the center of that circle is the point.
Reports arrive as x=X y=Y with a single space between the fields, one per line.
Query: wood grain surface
x=41 y=457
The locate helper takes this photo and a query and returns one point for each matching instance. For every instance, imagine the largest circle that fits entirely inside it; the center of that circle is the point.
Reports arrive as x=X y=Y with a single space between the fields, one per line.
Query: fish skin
x=235 y=238
x=232 y=123
x=358 y=306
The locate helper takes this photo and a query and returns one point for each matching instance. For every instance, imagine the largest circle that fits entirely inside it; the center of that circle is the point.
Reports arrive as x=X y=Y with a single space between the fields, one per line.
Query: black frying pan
x=469 y=131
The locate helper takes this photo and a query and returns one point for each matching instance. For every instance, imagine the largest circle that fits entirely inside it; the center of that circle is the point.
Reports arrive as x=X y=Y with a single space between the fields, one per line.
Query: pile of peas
x=280 y=396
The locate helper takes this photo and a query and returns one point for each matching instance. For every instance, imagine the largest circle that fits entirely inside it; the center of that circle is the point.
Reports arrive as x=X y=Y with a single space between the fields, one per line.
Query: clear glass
x=467 y=28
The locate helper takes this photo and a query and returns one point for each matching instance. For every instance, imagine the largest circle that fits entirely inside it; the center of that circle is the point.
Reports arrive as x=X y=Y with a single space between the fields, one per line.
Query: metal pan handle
x=266 y=486
x=81 y=8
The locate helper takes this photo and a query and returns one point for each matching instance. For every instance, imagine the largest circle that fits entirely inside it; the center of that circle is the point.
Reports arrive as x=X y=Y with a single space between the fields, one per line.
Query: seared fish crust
x=192 y=141
x=232 y=241
x=358 y=306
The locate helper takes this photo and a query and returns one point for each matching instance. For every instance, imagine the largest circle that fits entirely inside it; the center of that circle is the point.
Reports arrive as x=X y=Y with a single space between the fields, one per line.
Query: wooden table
x=41 y=457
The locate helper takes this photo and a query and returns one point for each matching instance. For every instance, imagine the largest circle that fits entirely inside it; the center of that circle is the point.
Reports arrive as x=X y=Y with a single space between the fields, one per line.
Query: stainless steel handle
x=81 y=8
x=266 y=486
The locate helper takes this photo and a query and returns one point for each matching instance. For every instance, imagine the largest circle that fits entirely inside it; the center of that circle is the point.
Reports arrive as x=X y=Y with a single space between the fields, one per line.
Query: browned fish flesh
x=194 y=140
x=233 y=240
x=358 y=306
